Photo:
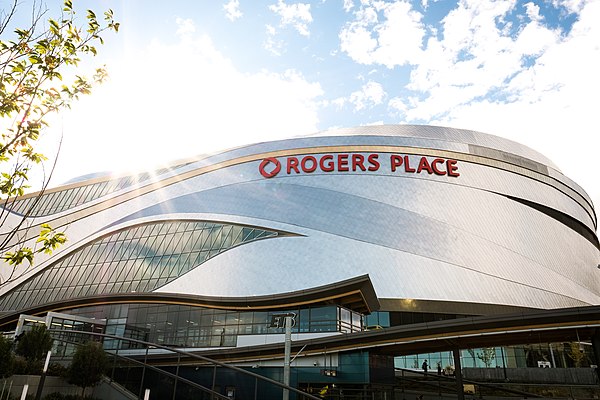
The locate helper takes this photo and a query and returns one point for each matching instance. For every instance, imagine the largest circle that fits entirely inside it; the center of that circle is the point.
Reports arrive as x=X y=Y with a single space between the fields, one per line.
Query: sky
x=198 y=76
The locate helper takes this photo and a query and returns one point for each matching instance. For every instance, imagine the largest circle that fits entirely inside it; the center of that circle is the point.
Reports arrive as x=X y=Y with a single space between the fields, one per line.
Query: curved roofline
x=442 y=133
x=356 y=294
x=430 y=132
x=480 y=145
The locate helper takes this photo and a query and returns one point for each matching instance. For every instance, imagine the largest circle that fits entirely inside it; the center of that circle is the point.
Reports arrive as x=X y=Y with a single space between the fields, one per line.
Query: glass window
x=141 y=262
x=303 y=320
x=356 y=319
x=323 y=314
x=77 y=196
x=345 y=316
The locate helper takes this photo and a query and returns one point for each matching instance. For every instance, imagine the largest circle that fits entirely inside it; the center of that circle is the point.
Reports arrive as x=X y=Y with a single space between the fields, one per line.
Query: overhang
x=356 y=294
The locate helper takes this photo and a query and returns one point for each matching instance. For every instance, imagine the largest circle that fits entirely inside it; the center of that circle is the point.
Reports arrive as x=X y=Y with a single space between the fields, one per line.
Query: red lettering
x=373 y=161
x=343 y=162
x=424 y=165
x=434 y=166
x=395 y=161
x=313 y=166
x=407 y=167
x=452 y=168
x=358 y=160
x=326 y=163
x=292 y=164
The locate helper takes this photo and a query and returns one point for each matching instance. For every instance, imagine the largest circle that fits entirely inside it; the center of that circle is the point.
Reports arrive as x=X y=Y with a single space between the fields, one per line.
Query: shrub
x=56 y=369
x=88 y=366
x=6 y=357
x=34 y=344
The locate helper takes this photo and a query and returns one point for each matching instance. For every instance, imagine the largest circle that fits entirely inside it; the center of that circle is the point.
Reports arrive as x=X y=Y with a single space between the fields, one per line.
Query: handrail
x=482 y=384
x=192 y=355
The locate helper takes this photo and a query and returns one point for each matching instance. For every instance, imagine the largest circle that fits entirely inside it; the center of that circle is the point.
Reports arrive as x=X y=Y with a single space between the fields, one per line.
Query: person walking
x=424 y=366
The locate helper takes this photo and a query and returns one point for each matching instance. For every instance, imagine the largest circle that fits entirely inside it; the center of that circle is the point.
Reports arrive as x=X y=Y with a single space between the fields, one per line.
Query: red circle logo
x=273 y=171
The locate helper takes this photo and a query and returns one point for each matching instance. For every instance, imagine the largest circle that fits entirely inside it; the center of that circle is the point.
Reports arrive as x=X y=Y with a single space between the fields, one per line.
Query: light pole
x=38 y=394
x=287 y=355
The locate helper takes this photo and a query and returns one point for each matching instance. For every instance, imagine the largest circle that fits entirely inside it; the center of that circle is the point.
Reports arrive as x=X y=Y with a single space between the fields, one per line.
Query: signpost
x=285 y=320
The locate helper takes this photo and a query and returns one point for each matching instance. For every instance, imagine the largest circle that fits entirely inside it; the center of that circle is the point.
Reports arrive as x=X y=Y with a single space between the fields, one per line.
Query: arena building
x=348 y=229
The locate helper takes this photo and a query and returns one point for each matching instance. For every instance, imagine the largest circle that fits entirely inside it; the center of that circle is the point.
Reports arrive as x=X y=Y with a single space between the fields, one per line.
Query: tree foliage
x=487 y=355
x=88 y=366
x=33 y=85
x=34 y=344
x=6 y=357
x=575 y=353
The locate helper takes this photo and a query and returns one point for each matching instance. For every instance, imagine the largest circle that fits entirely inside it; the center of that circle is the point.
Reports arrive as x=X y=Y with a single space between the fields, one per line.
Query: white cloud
x=297 y=15
x=185 y=26
x=533 y=11
x=358 y=43
x=348 y=5
x=370 y=94
x=166 y=102
x=232 y=10
x=271 y=44
x=394 y=41
x=572 y=6
x=398 y=106
x=550 y=107
x=474 y=58
x=339 y=102
x=533 y=84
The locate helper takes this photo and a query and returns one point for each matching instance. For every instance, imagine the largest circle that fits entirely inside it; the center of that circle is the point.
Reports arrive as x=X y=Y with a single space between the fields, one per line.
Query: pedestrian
x=424 y=366
x=439 y=368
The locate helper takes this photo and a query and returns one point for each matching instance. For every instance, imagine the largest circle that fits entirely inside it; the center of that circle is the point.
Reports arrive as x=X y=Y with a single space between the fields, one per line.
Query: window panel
x=144 y=231
x=71 y=201
x=62 y=200
x=139 y=268
x=153 y=255
x=77 y=196
x=183 y=265
x=128 y=286
x=76 y=258
x=124 y=270
x=48 y=202
x=86 y=194
x=96 y=191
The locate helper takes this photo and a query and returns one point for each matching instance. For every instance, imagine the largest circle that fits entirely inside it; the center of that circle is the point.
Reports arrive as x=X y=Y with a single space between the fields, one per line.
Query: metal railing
x=413 y=380
x=121 y=363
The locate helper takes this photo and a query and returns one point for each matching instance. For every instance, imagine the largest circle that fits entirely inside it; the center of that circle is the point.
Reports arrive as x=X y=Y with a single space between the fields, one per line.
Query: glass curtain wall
x=187 y=326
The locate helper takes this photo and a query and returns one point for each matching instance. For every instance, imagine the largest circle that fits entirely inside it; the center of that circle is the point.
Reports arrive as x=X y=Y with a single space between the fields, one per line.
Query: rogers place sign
x=354 y=162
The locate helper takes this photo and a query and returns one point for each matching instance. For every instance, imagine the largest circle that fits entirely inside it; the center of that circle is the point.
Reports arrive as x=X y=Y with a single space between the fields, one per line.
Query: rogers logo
x=273 y=172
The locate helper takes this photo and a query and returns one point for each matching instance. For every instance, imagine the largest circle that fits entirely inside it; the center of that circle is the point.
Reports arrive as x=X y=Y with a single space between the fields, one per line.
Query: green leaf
x=54 y=27
x=31 y=63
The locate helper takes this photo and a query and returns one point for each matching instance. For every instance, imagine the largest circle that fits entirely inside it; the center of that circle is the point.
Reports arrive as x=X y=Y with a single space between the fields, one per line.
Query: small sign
x=543 y=364
x=278 y=320
x=469 y=388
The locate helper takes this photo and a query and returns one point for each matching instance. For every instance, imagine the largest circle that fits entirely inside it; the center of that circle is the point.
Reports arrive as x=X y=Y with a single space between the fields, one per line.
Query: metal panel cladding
x=429 y=213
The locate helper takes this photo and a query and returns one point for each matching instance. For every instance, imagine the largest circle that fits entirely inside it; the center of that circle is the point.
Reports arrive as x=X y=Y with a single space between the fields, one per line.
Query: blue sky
x=191 y=77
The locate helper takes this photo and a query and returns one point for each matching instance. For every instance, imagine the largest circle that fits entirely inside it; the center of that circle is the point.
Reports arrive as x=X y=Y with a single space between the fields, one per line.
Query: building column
x=596 y=347
x=460 y=394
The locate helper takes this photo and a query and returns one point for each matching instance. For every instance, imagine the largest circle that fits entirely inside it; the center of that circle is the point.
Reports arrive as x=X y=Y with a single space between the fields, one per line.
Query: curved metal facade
x=432 y=215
